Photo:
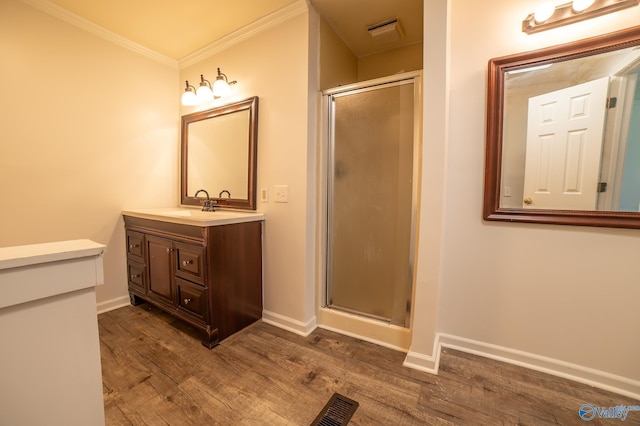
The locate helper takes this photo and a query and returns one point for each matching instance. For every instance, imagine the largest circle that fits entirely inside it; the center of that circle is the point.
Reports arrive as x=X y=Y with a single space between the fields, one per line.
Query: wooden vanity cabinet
x=209 y=276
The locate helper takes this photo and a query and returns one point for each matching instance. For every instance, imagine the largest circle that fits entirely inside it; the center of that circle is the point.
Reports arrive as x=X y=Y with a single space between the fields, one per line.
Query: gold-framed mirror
x=219 y=155
x=563 y=134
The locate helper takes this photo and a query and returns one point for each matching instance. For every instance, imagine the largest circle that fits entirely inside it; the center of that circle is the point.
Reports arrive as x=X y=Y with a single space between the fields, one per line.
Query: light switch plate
x=282 y=193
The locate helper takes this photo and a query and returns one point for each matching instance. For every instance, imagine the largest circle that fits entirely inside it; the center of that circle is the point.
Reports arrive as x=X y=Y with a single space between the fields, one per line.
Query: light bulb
x=204 y=94
x=221 y=88
x=189 y=98
x=544 y=12
x=580 y=5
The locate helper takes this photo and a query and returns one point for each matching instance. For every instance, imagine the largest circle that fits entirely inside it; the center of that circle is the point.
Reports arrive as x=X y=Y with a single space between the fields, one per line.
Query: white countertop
x=196 y=217
x=18 y=256
x=37 y=271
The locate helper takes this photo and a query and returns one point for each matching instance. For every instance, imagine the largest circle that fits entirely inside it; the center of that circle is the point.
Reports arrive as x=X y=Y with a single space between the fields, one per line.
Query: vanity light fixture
x=571 y=12
x=543 y=12
x=204 y=92
x=189 y=96
x=207 y=92
x=221 y=85
x=580 y=5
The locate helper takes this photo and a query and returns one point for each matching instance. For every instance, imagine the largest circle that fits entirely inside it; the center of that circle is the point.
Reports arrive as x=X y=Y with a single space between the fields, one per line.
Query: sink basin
x=195 y=217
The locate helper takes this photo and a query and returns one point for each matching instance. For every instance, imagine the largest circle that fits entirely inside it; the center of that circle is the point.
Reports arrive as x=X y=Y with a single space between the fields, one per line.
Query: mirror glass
x=563 y=134
x=219 y=155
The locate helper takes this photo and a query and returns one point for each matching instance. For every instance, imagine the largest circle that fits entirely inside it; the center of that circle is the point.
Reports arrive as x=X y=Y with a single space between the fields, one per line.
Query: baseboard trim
x=289 y=324
x=423 y=362
x=578 y=373
x=110 y=305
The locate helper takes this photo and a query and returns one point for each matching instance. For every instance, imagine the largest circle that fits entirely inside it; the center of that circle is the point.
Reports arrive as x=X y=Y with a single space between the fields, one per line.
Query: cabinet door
x=160 y=253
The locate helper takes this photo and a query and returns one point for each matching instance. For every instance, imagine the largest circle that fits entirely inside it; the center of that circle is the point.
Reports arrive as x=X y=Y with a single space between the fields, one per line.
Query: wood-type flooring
x=156 y=372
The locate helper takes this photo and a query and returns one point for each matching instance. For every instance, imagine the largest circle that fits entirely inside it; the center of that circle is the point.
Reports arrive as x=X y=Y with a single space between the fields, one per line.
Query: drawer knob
x=187 y=262
x=132 y=246
x=186 y=301
x=134 y=276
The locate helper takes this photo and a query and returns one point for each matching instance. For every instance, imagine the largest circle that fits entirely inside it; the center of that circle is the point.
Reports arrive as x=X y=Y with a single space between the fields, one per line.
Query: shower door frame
x=327 y=183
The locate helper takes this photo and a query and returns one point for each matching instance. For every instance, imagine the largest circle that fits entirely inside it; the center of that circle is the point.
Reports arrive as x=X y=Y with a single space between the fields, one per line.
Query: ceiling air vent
x=389 y=30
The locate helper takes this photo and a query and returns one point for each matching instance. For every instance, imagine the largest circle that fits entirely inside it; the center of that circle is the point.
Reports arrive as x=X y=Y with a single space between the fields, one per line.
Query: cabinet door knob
x=134 y=276
x=528 y=200
x=132 y=246
x=186 y=301
x=187 y=262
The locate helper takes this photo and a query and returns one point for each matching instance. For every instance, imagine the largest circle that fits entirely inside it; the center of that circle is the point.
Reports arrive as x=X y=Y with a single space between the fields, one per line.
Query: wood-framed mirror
x=563 y=134
x=219 y=155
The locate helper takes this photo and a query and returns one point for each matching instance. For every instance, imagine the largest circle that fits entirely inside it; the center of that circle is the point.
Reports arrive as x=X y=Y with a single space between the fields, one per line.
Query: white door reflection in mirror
x=564 y=144
x=617 y=71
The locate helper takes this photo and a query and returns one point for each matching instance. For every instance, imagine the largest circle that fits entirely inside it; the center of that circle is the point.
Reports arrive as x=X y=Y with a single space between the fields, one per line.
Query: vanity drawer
x=136 y=274
x=190 y=262
x=192 y=298
x=135 y=245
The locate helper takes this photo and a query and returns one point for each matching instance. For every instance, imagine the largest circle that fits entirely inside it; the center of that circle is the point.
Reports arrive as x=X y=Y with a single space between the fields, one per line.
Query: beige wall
x=86 y=128
x=275 y=66
x=338 y=65
x=566 y=293
x=396 y=61
x=430 y=238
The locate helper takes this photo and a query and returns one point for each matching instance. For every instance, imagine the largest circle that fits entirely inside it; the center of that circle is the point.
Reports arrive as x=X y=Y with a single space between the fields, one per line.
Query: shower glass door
x=371 y=201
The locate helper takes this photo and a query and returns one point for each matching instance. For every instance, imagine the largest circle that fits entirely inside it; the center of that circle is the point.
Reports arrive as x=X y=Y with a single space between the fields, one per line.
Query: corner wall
x=87 y=128
x=274 y=65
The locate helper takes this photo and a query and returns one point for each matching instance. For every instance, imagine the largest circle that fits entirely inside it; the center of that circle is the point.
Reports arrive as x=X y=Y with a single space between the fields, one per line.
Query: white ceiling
x=174 y=28
x=350 y=19
x=177 y=28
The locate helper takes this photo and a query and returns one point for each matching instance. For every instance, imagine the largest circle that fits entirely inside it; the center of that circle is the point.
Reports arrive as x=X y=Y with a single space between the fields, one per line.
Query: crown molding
x=77 y=21
x=244 y=33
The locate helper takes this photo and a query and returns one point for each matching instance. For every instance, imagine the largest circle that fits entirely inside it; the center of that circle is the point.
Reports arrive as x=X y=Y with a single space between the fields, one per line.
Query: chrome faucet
x=222 y=192
x=208 y=205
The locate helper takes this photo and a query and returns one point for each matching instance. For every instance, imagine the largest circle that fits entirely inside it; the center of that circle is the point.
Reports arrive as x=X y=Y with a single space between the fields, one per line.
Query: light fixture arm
x=204 y=82
x=221 y=74
x=188 y=87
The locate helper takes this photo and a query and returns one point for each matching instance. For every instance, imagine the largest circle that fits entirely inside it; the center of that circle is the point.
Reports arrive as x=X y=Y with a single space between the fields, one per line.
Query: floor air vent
x=337 y=412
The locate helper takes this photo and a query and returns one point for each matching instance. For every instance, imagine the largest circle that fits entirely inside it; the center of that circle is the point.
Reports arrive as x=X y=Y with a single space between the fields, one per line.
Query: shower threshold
x=362 y=314
x=364 y=328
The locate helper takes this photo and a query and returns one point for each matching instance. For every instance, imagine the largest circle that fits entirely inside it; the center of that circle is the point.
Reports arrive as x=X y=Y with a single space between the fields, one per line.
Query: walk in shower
x=372 y=175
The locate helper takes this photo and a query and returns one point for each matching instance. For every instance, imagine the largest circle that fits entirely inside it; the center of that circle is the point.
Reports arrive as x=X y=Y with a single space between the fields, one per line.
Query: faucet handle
x=208 y=205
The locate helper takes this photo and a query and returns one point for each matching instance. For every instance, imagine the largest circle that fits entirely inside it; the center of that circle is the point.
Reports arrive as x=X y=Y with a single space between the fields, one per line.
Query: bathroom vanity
x=204 y=268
